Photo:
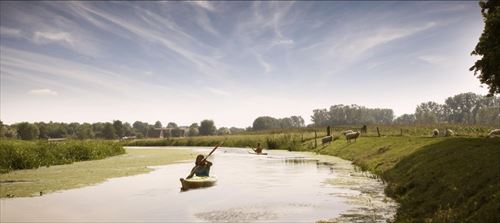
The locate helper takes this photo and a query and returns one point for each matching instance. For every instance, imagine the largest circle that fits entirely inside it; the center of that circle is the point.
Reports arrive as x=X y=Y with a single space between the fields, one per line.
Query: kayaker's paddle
x=213 y=150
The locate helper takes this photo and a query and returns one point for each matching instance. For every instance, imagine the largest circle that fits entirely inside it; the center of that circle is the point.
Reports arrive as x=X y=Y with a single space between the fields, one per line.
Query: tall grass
x=286 y=141
x=17 y=154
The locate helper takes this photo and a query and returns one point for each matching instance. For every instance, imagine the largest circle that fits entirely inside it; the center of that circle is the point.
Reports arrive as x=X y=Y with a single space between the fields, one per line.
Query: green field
x=22 y=183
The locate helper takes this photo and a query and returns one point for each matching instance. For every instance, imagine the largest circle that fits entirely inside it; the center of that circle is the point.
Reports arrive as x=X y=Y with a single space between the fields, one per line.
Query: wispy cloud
x=48 y=37
x=262 y=62
x=368 y=40
x=9 y=32
x=43 y=92
x=171 y=43
x=432 y=59
x=217 y=91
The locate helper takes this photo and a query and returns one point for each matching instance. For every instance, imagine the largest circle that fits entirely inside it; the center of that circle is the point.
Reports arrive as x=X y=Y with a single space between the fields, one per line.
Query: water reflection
x=279 y=187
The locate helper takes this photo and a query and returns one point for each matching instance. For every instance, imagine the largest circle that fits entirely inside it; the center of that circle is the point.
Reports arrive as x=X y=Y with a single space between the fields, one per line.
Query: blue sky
x=229 y=61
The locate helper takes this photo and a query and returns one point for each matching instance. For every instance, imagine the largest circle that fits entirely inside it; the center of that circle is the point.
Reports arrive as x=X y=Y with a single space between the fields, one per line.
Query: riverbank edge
x=43 y=180
x=442 y=179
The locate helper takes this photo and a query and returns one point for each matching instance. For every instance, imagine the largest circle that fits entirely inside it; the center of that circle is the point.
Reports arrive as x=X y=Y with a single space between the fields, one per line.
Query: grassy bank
x=434 y=179
x=18 y=154
x=21 y=183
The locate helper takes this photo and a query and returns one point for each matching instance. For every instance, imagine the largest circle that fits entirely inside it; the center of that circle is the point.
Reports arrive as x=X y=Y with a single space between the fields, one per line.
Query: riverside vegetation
x=19 y=154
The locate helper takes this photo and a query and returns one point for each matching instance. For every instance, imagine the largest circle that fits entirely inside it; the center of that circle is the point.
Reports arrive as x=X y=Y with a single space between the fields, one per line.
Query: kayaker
x=202 y=168
x=258 y=150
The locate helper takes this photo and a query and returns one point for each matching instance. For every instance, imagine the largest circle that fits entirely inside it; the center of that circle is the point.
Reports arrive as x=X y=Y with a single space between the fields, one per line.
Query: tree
x=193 y=131
x=71 y=128
x=265 y=122
x=489 y=116
x=127 y=129
x=57 y=130
x=27 y=131
x=207 y=127
x=141 y=127
x=297 y=121
x=118 y=126
x=223 y=131
x=463 y=108
x=172 y=125
x=84 y=131
x=405 y=119
x=320 y=117
x=235 y=130
x=428 y=113
x=158 y=124
x=109 y=131
x=488 y=47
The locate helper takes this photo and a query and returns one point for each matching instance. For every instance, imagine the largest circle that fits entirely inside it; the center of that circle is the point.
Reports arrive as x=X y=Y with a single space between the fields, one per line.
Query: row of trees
x=267 y=122
x=351 y=115
x=466 y=108
x=108 y=130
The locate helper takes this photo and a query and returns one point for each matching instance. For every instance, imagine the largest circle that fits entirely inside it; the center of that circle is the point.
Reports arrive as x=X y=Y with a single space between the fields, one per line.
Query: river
x=280 y=187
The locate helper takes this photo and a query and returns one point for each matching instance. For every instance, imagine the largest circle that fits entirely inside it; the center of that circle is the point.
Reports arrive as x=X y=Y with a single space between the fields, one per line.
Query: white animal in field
x=494 y=133
x=449 y=132
x=352 y=135
x=346 y=132
x=435 y=132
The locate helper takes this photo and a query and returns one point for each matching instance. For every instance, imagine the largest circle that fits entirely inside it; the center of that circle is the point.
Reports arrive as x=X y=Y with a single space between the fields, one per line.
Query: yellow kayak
x=197 y=182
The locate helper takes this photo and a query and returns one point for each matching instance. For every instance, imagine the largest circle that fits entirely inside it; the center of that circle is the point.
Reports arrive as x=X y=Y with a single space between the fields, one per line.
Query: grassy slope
x=79 y=174
x=434 y=179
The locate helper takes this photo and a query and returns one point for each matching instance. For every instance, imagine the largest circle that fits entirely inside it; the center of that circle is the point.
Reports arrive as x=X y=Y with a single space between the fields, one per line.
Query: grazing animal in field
x=435 y=132
x=326 y=139
x=352 y=135
x=449 y=132
x=346 y=132
x=494 y=133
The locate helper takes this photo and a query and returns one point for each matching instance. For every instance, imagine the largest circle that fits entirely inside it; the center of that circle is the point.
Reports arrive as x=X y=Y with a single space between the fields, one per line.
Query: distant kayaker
x=258 y=150
x=202 y=168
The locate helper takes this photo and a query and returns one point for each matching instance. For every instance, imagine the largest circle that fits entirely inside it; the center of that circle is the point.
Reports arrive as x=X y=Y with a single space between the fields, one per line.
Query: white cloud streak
x=9 y=32
x=43 y=92
x=432 y=59
x=217 y=91
x=48 y=37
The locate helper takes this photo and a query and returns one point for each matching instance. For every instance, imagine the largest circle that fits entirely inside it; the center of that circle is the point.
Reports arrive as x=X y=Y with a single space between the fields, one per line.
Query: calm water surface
x=280 y=187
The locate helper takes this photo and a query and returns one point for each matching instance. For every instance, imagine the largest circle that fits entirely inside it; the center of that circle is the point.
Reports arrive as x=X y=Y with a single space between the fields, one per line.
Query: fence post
x=378 y=132
x=315 y=136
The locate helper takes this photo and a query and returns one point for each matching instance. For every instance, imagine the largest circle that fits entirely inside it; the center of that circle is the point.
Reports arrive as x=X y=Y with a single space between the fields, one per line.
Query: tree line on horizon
x=108 y=130
x=466 y=108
